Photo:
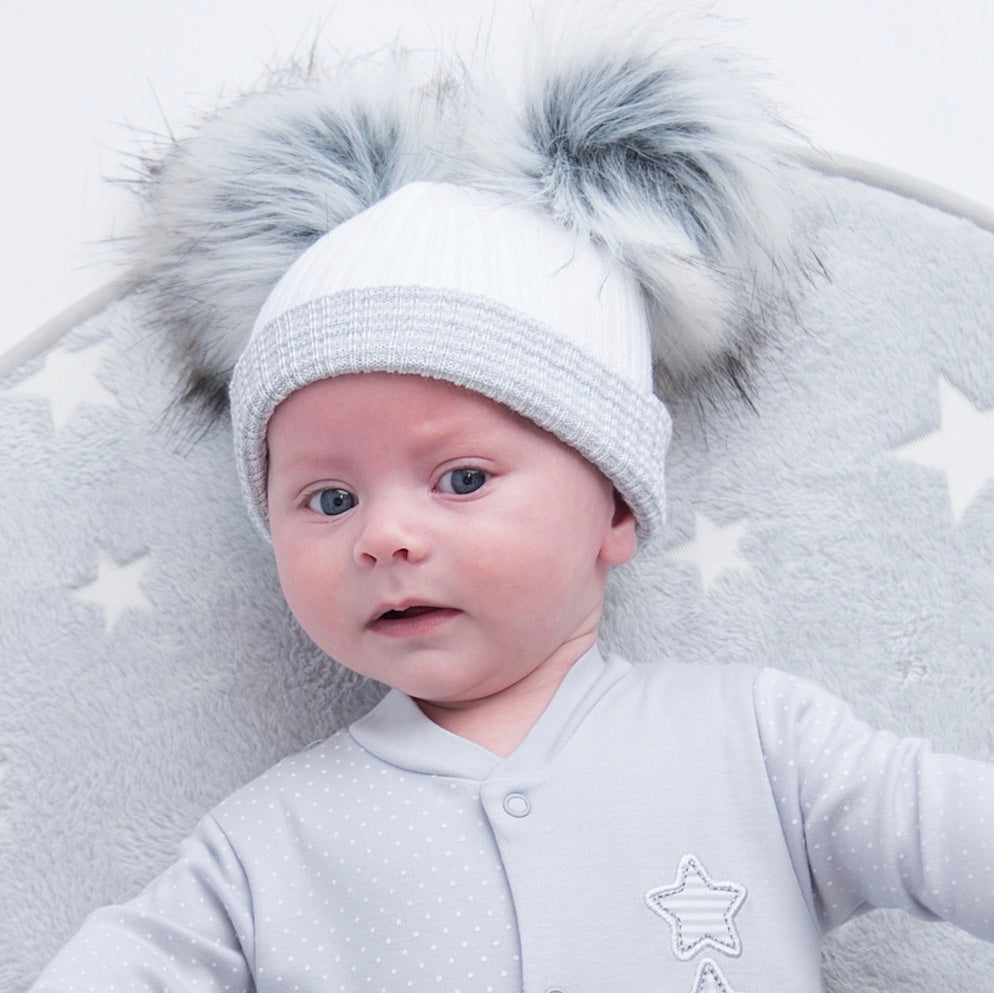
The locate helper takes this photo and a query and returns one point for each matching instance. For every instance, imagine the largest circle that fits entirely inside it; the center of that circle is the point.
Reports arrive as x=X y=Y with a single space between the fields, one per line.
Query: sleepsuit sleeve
x=874 y=820
x=189 y=930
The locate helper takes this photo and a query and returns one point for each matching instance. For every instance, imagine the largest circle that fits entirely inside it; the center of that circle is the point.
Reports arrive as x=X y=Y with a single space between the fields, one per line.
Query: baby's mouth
x=396 y=615
x=418 y=618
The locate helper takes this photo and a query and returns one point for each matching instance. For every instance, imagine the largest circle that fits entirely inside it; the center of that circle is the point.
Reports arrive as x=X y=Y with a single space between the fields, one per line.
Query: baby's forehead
x=394 y=393
x=383 y=406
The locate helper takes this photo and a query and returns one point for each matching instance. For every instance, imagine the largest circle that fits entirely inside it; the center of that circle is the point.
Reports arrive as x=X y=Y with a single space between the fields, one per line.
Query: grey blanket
x=843 y=529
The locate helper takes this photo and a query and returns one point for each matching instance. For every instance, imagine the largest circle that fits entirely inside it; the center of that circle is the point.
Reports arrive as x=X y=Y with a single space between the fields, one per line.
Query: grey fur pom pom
x=621 y=125
x=643 y=134
x=229 y=209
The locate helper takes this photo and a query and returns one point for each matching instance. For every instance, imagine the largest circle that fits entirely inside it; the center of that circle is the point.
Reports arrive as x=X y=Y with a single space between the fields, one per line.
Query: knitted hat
x=450 y=283
x=614 y=216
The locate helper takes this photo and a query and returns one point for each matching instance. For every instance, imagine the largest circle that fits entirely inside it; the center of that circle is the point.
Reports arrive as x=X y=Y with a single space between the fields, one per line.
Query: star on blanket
x=962 y=448
x=68 y=381
x=714 y=549
x=5 y=828
x=117 y=588
x=710 y=980
x=699 y=911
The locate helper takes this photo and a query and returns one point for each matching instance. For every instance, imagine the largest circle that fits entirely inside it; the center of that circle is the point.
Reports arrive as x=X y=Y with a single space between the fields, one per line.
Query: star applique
x=117 y=588
x=710 y=980
x=962 y=448
x=714 y=549
x=699 y=911
x=5 y=829
x=68 y=381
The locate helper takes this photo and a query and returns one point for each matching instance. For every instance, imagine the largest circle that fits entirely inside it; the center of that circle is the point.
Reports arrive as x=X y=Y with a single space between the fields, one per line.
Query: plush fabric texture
x=843 y=530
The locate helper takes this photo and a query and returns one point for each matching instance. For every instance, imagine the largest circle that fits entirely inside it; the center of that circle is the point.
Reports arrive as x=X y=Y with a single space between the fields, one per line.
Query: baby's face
x=433 y=540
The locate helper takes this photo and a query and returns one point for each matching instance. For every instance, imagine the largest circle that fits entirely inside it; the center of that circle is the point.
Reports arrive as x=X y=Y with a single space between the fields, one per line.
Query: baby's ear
x=621 y=540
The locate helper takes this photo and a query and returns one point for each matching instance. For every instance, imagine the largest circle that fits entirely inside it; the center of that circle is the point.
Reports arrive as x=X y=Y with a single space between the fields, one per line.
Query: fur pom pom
x=643 y=135
x=228 y=210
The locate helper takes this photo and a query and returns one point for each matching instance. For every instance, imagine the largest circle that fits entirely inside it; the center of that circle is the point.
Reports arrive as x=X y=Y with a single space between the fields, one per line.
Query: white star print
x=699 y=911
x=68 y=380
x=962 y=448
x=117 y=588
x=714 y=549
x=710 y=980
x=5 y=828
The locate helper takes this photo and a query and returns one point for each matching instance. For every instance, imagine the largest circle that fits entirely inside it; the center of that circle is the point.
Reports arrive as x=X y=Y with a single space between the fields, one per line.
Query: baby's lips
x=400 y=610
x=415 y=611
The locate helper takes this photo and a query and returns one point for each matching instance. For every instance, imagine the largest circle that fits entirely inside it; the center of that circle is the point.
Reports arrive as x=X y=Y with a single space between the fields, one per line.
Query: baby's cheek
x=307 y=584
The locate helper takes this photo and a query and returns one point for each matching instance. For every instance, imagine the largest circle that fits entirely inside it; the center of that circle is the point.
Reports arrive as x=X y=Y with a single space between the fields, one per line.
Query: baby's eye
x=462 y=481
x=332 y=502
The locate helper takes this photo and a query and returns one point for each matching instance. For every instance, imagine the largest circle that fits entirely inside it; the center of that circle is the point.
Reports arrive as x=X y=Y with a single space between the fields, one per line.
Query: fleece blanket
x=842 y=527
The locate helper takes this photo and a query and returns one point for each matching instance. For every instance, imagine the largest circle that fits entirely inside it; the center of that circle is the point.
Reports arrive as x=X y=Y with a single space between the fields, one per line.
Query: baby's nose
x=391 y=533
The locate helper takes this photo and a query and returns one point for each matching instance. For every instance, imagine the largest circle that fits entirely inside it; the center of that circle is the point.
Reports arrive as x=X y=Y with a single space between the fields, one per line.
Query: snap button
x=517 y=805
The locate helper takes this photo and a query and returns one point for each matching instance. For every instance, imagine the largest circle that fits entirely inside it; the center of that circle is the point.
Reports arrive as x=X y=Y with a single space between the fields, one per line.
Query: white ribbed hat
x=449 y=283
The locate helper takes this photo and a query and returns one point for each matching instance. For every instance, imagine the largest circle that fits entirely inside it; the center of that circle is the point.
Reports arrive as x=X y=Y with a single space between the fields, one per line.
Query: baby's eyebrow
x=427 y=439
x=460 y=433
x=307 y=461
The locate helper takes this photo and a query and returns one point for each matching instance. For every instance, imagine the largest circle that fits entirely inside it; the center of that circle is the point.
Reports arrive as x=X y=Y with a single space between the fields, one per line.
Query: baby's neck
x=497 y=733
x=499 y=723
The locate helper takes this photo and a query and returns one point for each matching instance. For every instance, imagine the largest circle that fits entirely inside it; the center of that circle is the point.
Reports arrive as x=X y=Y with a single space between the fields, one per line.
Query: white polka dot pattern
x=357 y=877
x=880 y=821
x=398 y=857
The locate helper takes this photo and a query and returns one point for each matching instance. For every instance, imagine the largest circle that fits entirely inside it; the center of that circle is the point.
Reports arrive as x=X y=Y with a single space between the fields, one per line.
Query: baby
x=445 y=422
